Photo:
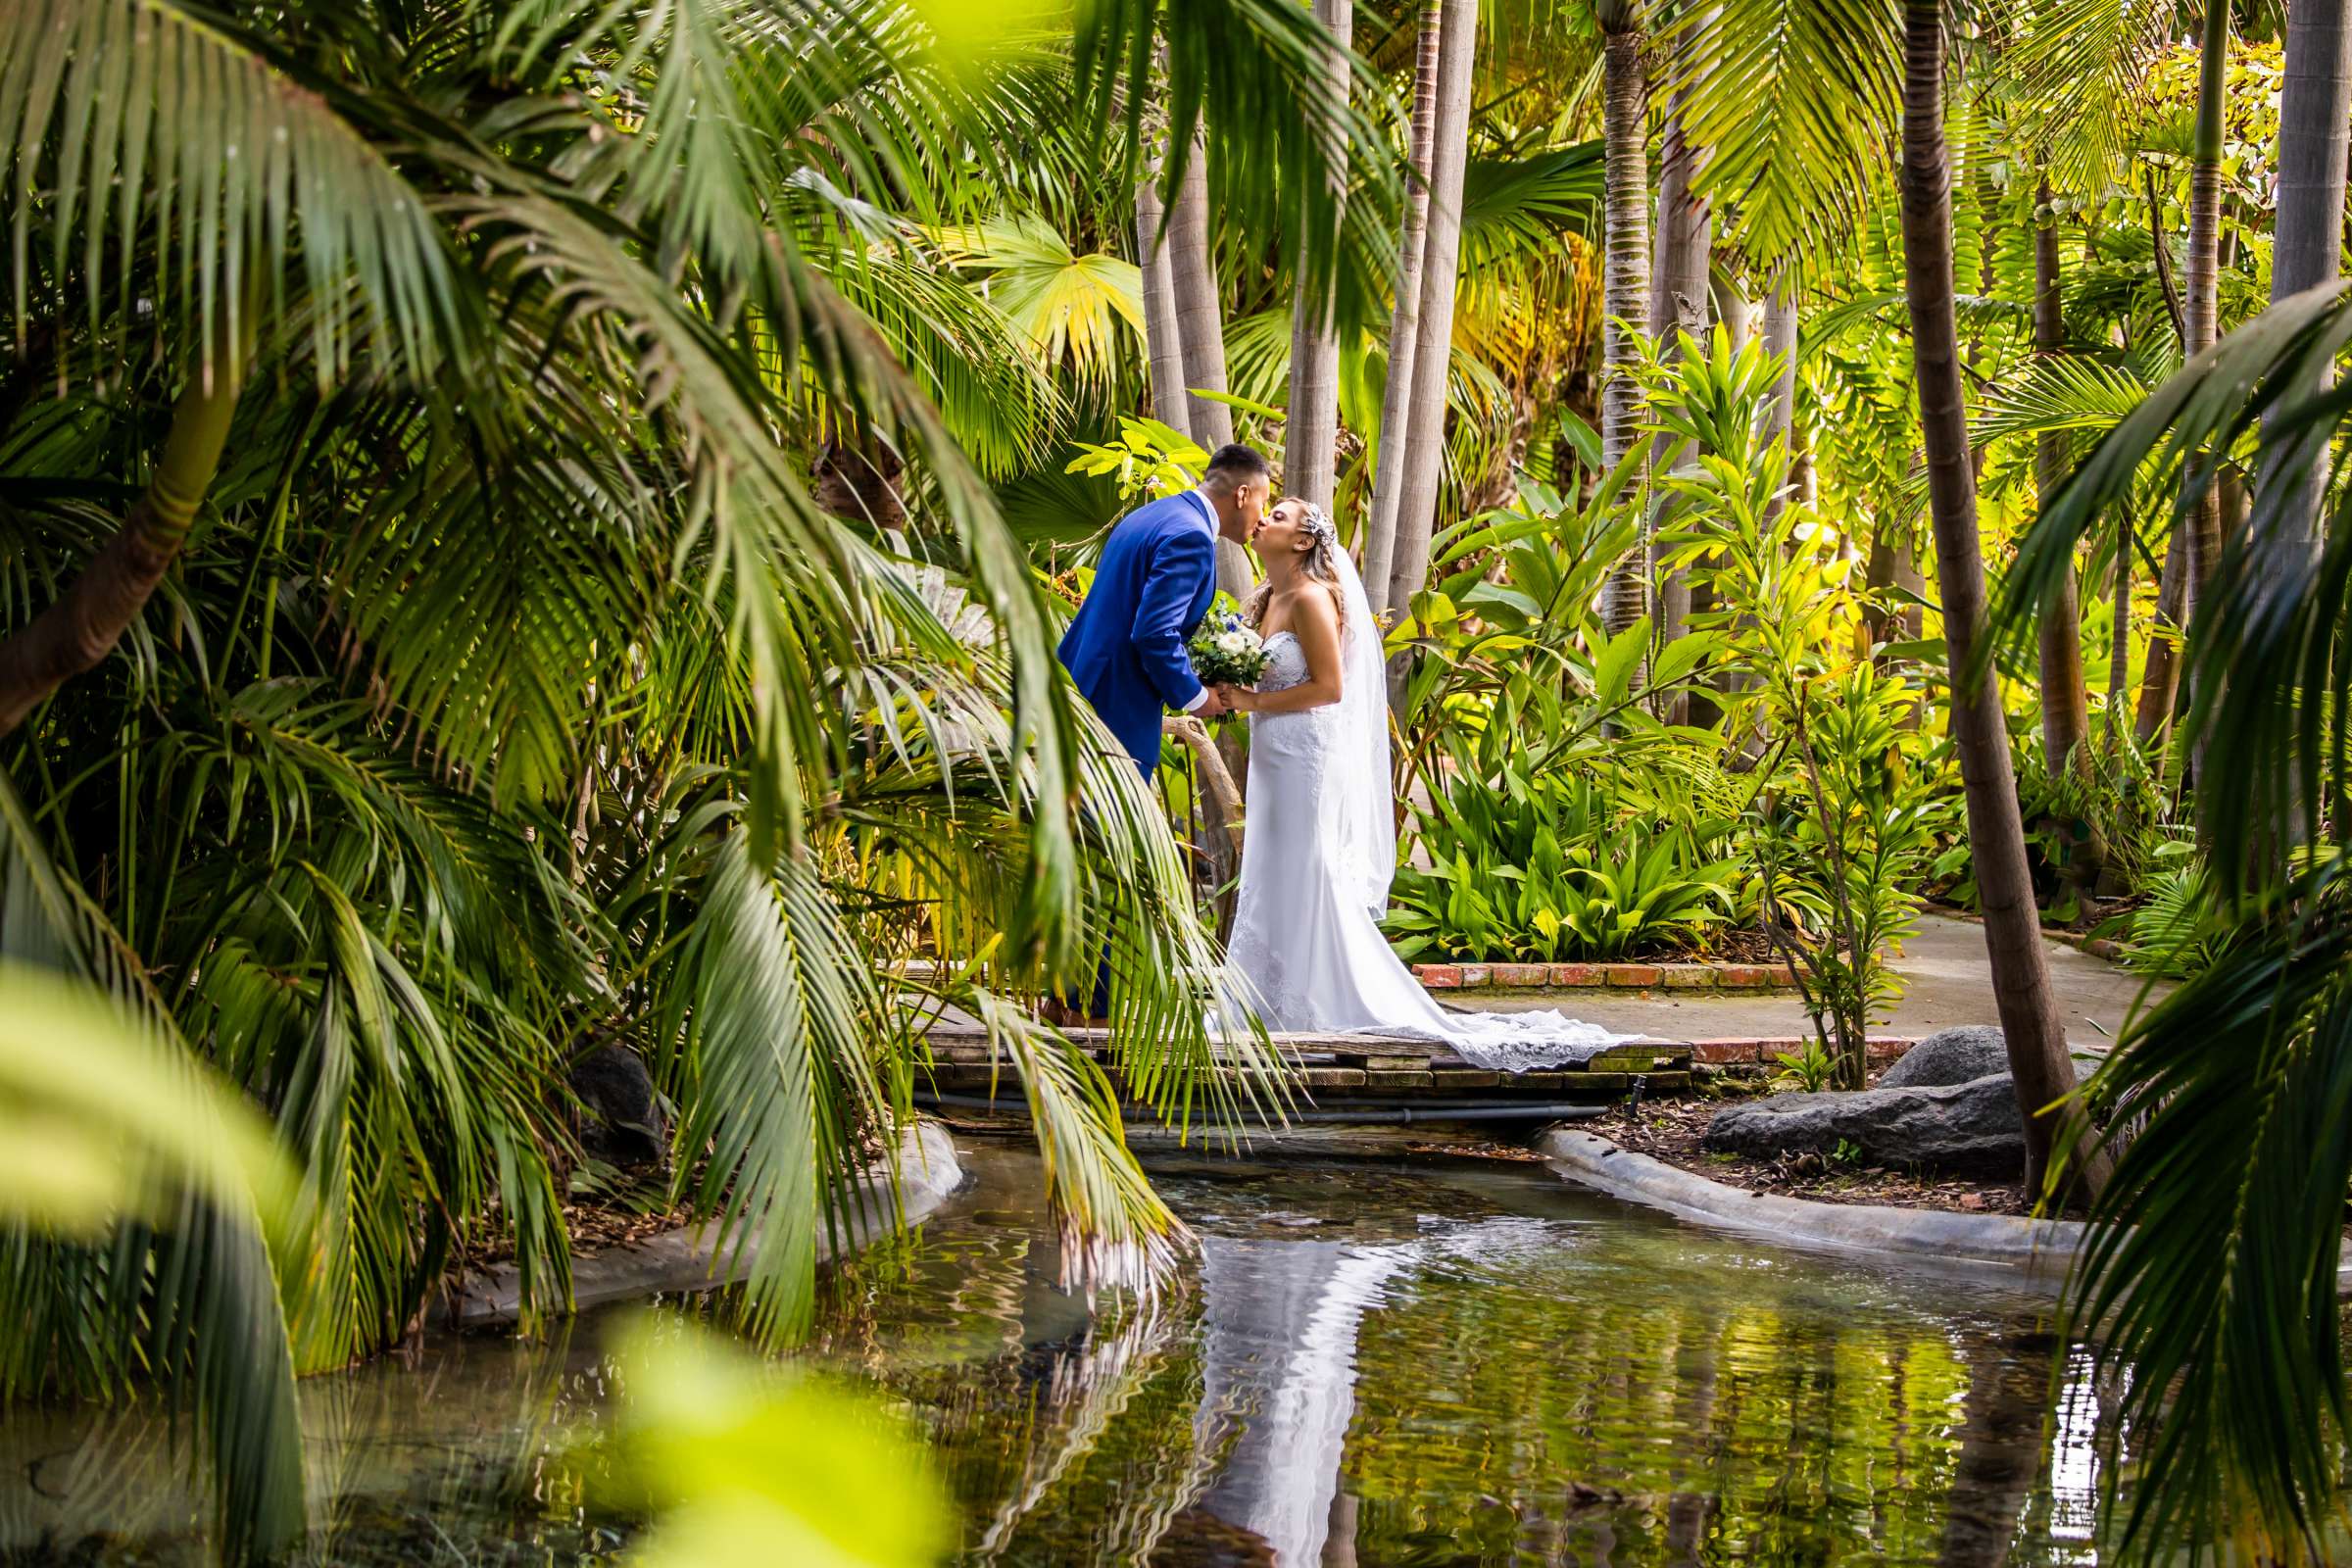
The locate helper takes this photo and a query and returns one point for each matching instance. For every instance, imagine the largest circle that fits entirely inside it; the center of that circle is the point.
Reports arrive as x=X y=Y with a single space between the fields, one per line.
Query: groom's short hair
x=1235 y=464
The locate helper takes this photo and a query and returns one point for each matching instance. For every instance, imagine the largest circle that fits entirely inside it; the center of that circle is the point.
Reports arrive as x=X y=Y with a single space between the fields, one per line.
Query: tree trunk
x=1200 y=328
x=1682 y=257
x=75 y=634
x=1780 y=415
x=1309 y=464
x=1625 y=292
x=2065 y=701
x=1404 y=322
x=2160 y=676
x=1169 y=405
x=2315 y=108
x=1425 y=424
x=1683 y=252
x=2031 y=1025
x=2196 y=538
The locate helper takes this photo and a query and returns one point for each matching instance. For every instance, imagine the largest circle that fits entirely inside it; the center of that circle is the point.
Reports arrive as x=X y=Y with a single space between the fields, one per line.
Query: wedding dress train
x=1316 y=861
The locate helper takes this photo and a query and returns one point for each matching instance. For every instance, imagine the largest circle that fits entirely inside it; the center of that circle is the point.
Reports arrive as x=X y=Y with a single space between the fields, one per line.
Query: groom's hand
x=1212 y=704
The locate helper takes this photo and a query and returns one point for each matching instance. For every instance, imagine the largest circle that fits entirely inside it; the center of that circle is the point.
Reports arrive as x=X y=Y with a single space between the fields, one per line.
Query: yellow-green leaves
x=750 y=1465
x=99 y=1120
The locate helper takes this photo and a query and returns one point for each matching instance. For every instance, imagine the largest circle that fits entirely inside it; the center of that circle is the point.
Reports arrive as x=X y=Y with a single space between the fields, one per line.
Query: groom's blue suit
x=1125 y=649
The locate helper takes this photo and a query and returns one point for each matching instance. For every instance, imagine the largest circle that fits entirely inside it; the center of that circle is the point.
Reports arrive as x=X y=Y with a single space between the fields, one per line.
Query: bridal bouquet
x=1226 y=652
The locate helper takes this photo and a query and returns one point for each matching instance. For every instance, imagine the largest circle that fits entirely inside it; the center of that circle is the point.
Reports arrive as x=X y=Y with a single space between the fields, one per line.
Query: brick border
x=1605 y=976
x=1753 y=1051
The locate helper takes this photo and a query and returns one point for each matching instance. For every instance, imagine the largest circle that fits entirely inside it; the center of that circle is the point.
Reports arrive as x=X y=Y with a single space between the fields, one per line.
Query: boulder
x=1949 y=1056
x=1968 y=1129
x=623 y=1120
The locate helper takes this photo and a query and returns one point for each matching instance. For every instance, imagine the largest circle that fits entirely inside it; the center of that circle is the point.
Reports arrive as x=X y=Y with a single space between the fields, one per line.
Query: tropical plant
x=1808 y=1071
x=423 y=648
x=115 y=1141
x=1554 y=869
x=2212 y=1269
x=1842 y=849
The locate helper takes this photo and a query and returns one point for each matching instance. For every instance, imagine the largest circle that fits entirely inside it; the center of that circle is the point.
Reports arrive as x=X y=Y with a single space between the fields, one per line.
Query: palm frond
x=2085 y=62
x=1795 y=101
x=1521 y=206
x=1116 y=1230
x=775 y=1074
x=1071 y=307
x=2211 y=1270
x=184 y=1290
x=2063 y=393
x=1303 y=168
x=142 y=127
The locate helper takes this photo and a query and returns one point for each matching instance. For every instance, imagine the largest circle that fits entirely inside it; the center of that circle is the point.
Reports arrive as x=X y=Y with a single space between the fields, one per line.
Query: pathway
x=1947 y=981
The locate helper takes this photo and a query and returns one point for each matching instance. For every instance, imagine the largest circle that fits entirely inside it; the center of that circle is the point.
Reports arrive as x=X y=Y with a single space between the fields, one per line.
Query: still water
x=1376 y=1362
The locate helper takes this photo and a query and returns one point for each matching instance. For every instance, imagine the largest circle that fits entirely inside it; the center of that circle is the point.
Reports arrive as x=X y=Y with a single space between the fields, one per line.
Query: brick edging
x=1754 y=1050
x=1605 y=976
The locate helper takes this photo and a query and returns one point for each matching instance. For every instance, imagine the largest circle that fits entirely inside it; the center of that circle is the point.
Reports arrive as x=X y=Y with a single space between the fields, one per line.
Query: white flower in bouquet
x=1228 y=653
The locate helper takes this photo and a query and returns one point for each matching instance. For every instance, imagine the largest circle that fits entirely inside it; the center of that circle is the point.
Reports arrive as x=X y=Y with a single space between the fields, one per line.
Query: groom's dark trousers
x=1125 y=647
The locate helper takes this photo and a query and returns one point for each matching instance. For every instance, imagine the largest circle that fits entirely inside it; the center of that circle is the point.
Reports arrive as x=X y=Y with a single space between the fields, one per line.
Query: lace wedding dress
x=1316 y=862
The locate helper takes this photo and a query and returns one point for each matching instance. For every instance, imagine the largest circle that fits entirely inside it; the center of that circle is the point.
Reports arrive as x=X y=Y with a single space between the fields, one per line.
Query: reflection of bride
x=1281 y=1357
x=1322 y=845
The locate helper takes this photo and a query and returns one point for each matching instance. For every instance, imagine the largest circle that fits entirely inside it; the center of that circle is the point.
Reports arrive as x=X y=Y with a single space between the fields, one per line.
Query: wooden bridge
x=1338 y=1073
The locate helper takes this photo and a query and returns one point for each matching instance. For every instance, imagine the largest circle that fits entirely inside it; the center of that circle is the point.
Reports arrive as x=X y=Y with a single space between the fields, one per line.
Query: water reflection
x=1376 y=1364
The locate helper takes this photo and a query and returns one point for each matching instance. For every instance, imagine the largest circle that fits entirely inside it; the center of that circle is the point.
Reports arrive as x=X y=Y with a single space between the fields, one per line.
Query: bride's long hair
x=1320 y=564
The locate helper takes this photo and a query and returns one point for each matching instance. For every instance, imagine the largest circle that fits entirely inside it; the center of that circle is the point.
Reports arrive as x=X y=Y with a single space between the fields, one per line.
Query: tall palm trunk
x=1683 y=247
x=1166 y=339
x=1625 y=285
x=1200 y=328
x=1433 y=348
x=2197 y=541
x=2314 y=106
x=1404 y=322
x=2065 y=700
x=2030 y=1024
x=73 y=635
x=1780 y=340
x=1309 y=464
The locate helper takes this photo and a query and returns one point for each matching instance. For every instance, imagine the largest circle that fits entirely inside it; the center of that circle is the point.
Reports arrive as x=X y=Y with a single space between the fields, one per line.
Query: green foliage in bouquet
x=1227 y=651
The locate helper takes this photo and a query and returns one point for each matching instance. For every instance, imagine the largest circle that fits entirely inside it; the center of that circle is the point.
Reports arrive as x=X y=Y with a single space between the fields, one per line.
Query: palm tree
x=1201 y=329
x=492 y=682
x=2314 y=108
x=2065 y=700
x=1625 y=299
x=1424 y=433
x=2211 y=1271
x=2031 y=1025
x=1311 y=433
x=1169 y=404
x=1404 y=322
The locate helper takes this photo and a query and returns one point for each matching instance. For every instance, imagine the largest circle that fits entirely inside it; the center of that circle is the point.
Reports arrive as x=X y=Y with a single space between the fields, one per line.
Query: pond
x=1393 y=1363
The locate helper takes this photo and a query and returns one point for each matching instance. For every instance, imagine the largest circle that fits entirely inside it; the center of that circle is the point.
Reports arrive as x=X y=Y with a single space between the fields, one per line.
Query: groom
x=1125 y=649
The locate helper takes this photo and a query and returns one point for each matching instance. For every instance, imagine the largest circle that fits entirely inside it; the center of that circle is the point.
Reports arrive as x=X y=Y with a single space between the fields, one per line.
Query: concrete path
x=1947 y=981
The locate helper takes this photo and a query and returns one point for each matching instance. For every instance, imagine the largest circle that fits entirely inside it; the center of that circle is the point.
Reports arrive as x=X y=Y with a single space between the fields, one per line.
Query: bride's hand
x=1237 y=699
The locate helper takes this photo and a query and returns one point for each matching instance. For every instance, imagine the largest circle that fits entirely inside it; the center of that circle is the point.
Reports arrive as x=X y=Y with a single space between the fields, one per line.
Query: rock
x=1949 y=1056
x=1969 y=1129
x=625 y=1123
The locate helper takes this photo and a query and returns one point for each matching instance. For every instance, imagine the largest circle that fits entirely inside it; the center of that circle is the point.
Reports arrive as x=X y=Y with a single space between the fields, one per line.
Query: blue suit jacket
x=1125 y=649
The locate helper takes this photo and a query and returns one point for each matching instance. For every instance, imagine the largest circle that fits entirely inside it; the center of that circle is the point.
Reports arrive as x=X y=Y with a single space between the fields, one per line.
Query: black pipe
x=1371 y=1116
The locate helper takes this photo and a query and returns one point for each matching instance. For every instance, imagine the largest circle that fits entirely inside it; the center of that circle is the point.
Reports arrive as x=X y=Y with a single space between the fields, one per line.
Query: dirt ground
x=1670 y=1130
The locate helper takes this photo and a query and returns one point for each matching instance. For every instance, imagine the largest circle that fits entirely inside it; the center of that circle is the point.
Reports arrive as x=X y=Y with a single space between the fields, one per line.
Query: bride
x=1322 y=845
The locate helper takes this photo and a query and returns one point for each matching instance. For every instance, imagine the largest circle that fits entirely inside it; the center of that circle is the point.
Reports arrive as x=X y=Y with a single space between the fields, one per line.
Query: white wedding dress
x=1317 y=855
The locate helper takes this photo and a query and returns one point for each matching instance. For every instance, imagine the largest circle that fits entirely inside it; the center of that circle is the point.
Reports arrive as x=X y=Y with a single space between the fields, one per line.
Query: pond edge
x=2032 y=1252
x=687 y=1259
x=2037 y=1251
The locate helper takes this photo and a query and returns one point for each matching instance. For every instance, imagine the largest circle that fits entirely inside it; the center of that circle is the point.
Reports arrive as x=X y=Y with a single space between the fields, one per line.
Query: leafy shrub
x=1554 y=869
